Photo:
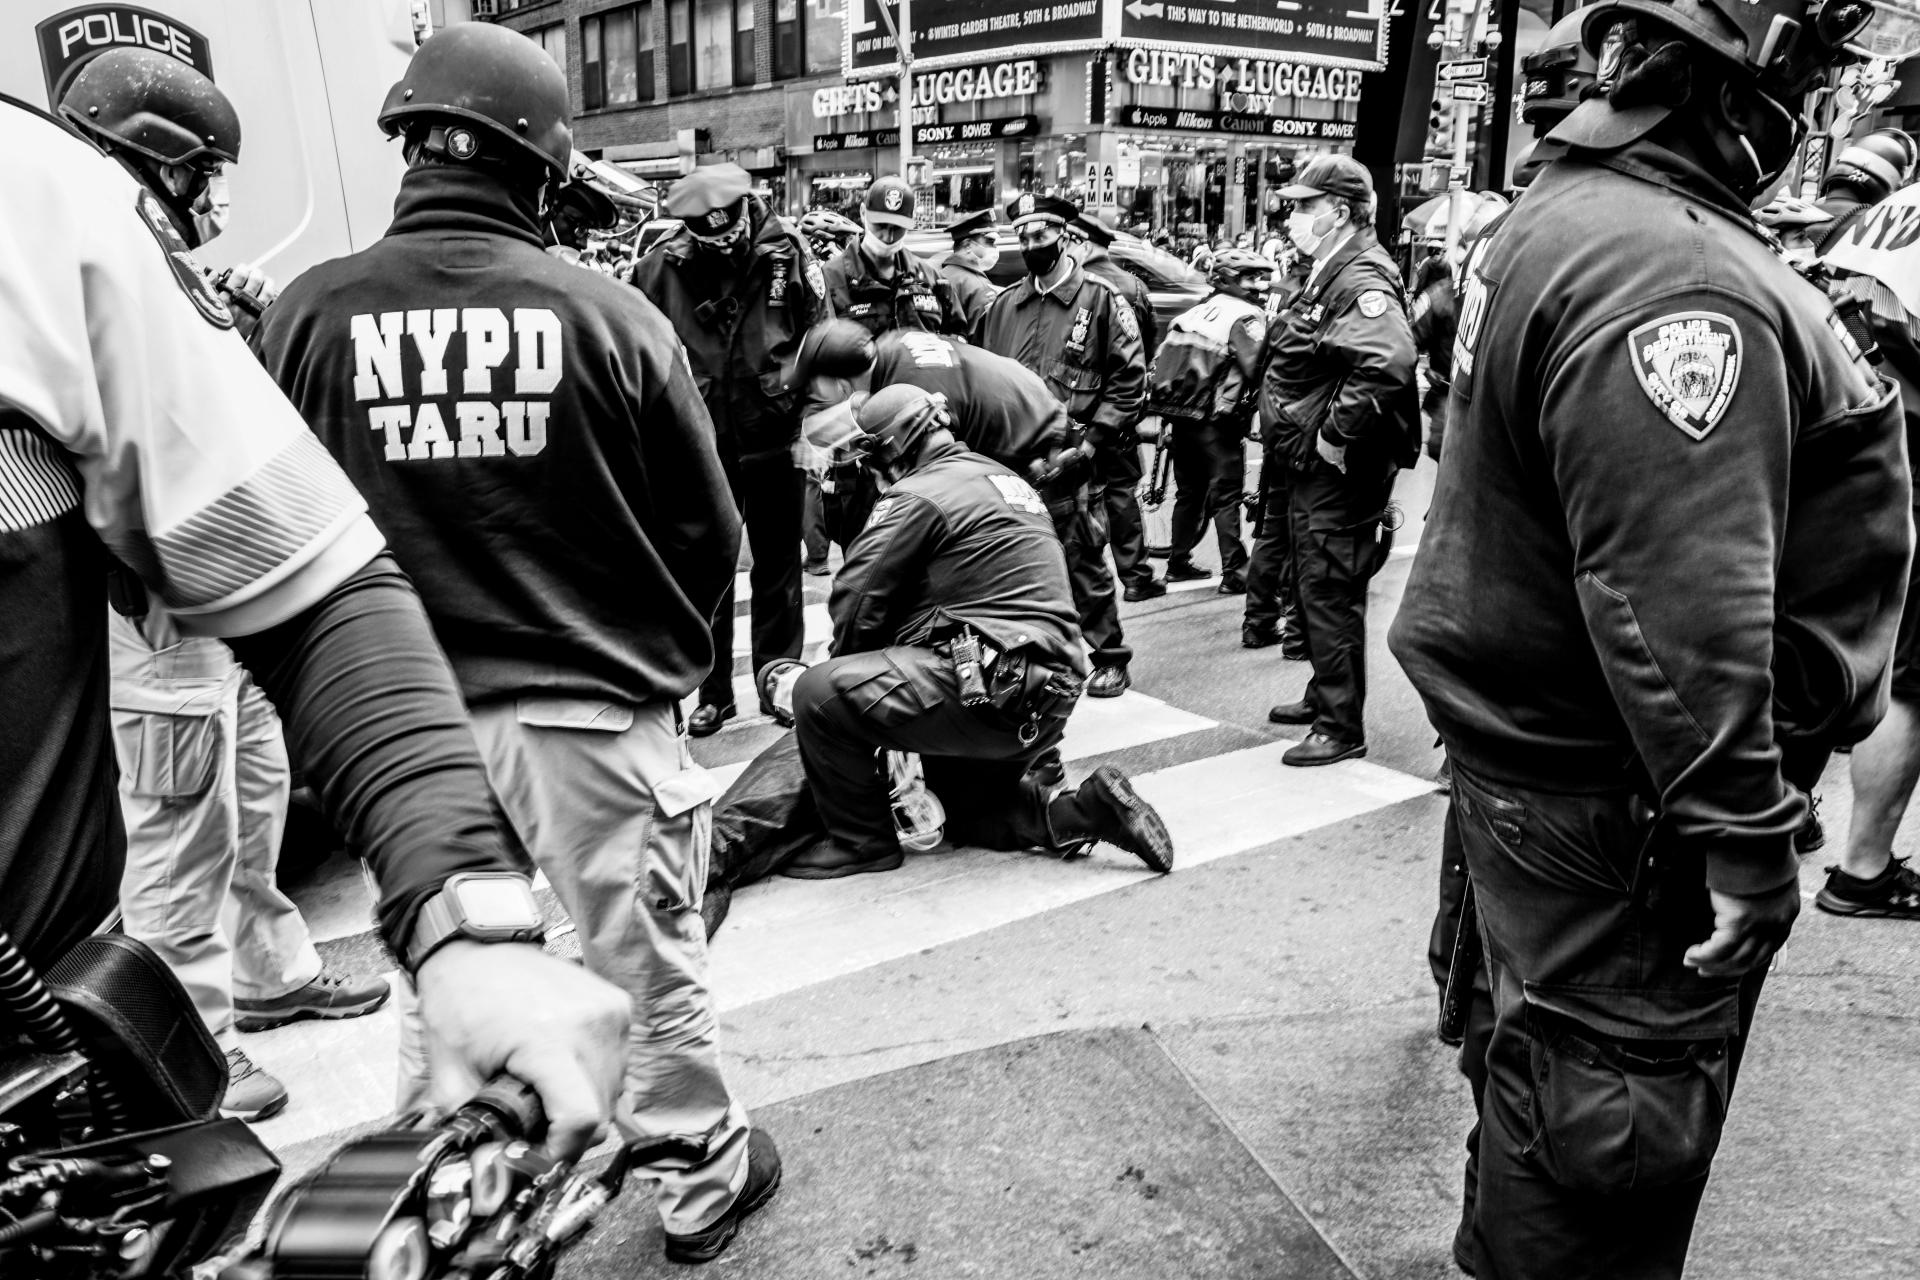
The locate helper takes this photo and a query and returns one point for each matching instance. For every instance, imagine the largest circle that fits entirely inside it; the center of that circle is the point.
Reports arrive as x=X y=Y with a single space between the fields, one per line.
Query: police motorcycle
x=115 y=1162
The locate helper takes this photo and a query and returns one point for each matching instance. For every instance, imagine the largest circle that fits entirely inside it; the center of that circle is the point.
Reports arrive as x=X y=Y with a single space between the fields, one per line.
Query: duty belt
x=1019 y=688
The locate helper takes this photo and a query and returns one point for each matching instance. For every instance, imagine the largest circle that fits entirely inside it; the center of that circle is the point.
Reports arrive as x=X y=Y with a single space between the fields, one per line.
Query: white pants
x=203 y=787
x=609 y=804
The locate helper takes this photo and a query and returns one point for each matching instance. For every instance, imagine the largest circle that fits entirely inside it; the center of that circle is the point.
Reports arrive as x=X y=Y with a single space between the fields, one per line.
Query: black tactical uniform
x=972 y=291
x=1117 y=469
x=1617 y=620
x=961 y=542
x=1000 y=408
x=1084 y=341
x=915 y=296
x=741 y=315
x=1340 y=377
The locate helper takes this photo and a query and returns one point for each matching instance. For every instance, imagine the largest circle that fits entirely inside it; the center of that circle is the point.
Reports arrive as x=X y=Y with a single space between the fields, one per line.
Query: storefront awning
x=660 y=167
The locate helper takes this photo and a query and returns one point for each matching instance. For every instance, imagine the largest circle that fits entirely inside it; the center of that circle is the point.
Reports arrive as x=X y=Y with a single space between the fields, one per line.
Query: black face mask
x=1041 y=259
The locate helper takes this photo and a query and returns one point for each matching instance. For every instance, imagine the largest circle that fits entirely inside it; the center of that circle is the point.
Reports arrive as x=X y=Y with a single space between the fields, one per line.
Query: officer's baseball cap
x=974 y=224
x=1334 y=175
x=889 y=203
x=711 y=200
x=1027 y=208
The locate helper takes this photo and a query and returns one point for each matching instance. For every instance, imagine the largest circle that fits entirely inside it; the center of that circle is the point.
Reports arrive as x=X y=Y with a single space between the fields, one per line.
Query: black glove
x=1064 y=467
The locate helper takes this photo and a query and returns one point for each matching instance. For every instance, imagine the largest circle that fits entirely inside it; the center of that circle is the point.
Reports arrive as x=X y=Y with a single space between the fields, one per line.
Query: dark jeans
x=1270 y=590
x=1210 y=479
x=1080 y=522
x=813 y=528
x=1116 y=477
x=769 y=490
x=1335 y=531
x=1610 y=1064
x=905 y=698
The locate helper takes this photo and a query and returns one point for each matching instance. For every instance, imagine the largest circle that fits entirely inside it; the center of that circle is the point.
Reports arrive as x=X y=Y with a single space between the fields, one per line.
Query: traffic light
x=1440 y=127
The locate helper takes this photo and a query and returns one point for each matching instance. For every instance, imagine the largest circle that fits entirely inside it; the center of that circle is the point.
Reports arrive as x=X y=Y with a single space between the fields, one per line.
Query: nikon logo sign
x=935 y=89
x=1248 y=79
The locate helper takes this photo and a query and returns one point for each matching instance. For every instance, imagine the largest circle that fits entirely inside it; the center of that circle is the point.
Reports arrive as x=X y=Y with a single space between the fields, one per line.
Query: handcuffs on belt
x=975 y=660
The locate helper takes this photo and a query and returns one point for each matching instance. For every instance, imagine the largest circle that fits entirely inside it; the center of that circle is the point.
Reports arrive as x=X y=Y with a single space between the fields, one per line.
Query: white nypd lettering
x=527 y=342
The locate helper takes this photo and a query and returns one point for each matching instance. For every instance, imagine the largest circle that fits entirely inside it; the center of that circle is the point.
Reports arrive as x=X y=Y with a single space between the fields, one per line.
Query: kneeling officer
x=954 y=637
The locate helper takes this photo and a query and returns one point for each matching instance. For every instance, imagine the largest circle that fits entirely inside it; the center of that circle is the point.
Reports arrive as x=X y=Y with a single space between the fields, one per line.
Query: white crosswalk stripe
x=786 y=935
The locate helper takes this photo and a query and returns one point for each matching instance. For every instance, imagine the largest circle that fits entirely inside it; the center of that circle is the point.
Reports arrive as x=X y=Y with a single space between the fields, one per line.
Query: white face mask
x=1307 y=233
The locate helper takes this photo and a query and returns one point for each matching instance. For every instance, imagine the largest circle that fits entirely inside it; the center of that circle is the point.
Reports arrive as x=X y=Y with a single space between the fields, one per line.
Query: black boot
x=1106 y=807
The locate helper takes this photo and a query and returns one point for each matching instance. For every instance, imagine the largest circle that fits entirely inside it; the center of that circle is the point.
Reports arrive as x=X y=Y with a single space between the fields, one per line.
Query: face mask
x=1768 y=171
x=211 y=210
x=878 y=249
x=984 y=256
x=1041 y=259
x=1306 y=231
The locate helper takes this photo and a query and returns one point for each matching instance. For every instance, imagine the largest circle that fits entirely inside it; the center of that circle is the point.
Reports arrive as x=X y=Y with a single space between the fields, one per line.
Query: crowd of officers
x=1637 y=653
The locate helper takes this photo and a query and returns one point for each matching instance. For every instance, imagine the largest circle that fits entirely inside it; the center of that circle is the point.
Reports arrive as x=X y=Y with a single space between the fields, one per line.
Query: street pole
x=1475 y=28
x=902 y=33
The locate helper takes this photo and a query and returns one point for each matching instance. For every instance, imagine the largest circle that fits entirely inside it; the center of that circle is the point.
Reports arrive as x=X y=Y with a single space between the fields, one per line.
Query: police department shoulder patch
x=816 y=279
x=881 y=510
x=1688 y=363
x=1124 y=317
x=180 y=260
x=1373 y=304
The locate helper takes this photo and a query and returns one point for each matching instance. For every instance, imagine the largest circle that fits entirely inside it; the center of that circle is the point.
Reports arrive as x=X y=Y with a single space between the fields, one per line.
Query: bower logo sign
x=68 y=40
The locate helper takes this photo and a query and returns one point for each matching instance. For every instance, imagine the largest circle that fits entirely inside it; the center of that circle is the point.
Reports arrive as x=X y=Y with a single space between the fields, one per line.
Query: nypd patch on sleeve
x=1373 y=304
x=180 y=260
x=1688 y=363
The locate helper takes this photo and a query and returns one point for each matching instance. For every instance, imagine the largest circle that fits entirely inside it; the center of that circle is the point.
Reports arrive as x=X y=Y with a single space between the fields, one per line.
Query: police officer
x=1206 y=379
x=204 y=822
x=1639 y=384
x=742 y=290
x=533 y=442
x=954 y=638
x=1085 y=342
x=1118 y=471
x=1340 y=405
x=879 y=282
x=1863 y=174
x=975 y=252
x=1556 y=75
x=133 y=423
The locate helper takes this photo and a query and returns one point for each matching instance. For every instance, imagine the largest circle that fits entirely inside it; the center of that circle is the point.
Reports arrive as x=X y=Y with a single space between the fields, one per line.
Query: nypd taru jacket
x=1000 y=408
x=1671 y=528
x=960 y=540
x=526 y=437
x=741 y=317
x=915 y=297
x=1340 y=364
x=1084 y=340
x=970 y=289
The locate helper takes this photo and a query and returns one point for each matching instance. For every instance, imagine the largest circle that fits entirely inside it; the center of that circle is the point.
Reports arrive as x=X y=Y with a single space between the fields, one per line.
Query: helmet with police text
x=1876 y=166
x=895 y=422
x=1556 y=74
x=1229 y=265
x=833 y=349
x=1787 y=45
x=484 y=92
x=153 y=105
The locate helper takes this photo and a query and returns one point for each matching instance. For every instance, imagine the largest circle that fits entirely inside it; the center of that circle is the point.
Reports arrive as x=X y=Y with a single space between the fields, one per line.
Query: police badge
x=1688 y=363
x=1081 y=320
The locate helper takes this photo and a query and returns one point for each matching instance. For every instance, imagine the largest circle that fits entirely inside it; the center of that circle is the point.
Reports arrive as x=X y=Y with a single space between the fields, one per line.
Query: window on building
x=679 y=46
x=743 y=41
x=712 y=43
x=554 y=40
x=822 y=38
x=609 y=58
x=643 y=22
x=789 y=40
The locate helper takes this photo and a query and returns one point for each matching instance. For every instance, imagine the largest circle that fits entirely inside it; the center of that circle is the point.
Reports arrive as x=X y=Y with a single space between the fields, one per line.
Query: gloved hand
x=1333 y=455
x=1065 y=466
x=247 y=285
x=1746 y=931
x=489 y=1008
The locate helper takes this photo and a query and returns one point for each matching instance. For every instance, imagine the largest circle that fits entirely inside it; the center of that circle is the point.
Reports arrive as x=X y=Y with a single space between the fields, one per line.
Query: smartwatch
x=485 y=906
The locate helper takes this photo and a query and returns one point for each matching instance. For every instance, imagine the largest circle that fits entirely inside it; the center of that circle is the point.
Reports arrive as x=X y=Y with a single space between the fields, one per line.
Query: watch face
x=504 y=903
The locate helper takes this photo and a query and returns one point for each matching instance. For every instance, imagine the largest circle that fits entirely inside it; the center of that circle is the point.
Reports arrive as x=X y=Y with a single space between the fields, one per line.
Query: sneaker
x=763 y=1179
x=1812 y=835
x=1122 y=819
x=331 y=995
x=1151 y=589
x=252 y=1094
x=1108 y=682
x=1187 y=571
x=1893 y=894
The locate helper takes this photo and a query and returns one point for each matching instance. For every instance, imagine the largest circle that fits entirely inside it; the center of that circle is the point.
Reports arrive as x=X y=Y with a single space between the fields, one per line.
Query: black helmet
x=833 y=349
x=1556 y=74
x=1786 y=43
x=494 y=79
x=1230 y=264
x=155 y=106
x=1877 y=165
x=895 y=420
